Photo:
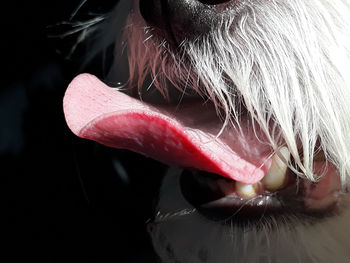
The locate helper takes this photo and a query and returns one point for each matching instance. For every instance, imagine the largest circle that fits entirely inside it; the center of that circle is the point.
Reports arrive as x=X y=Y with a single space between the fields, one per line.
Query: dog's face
x=255 y=110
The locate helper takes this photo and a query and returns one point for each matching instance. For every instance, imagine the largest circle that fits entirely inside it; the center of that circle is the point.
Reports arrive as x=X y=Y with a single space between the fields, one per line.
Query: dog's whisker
x=148 y=38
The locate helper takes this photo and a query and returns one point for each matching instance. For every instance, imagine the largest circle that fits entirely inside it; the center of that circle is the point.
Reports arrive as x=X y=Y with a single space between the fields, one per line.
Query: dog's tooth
x=276 y=176
x=246 y=190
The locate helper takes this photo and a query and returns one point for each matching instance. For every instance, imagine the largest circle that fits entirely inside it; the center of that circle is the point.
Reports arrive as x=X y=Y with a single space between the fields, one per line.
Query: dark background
x=62 y=198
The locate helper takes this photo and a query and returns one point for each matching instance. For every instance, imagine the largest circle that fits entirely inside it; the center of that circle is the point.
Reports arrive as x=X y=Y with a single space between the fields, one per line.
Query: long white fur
x=288 y=61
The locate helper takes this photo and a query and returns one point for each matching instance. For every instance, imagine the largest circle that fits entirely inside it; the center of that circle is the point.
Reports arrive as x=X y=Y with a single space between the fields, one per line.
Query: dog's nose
x=182 y=18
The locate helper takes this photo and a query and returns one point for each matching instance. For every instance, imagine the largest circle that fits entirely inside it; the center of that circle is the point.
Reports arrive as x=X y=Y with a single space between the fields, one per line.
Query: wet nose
x=182 y=18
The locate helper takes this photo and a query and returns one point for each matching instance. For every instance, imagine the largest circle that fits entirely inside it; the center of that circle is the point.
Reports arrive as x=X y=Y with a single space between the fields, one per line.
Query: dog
x=248 y=102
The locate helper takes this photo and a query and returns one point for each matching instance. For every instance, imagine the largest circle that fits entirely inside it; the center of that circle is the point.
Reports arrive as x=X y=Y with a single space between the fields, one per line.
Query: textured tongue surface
x=181 y=136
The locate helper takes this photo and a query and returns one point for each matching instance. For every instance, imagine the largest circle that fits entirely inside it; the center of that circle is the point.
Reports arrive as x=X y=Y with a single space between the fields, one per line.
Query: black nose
x=182 y=18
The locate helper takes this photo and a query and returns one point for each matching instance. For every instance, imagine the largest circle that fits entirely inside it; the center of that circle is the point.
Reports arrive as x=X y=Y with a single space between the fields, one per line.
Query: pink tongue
x=185 y=137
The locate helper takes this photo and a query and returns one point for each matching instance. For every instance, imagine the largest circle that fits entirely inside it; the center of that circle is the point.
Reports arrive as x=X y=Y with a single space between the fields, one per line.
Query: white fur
x=287 y=61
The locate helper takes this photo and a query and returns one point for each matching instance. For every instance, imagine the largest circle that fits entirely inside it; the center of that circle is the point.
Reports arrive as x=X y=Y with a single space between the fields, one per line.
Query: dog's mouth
x=223 y=199
x=189 y=135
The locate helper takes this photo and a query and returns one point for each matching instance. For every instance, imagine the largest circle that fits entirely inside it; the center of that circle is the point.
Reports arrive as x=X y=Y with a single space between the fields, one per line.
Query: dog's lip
x=180 y=138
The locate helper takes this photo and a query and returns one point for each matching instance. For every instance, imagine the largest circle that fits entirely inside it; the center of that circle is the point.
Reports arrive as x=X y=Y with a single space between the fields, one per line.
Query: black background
x=61 y=198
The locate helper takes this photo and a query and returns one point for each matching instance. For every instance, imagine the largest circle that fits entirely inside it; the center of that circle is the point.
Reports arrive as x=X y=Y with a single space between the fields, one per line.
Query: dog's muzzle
x=183 y=19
